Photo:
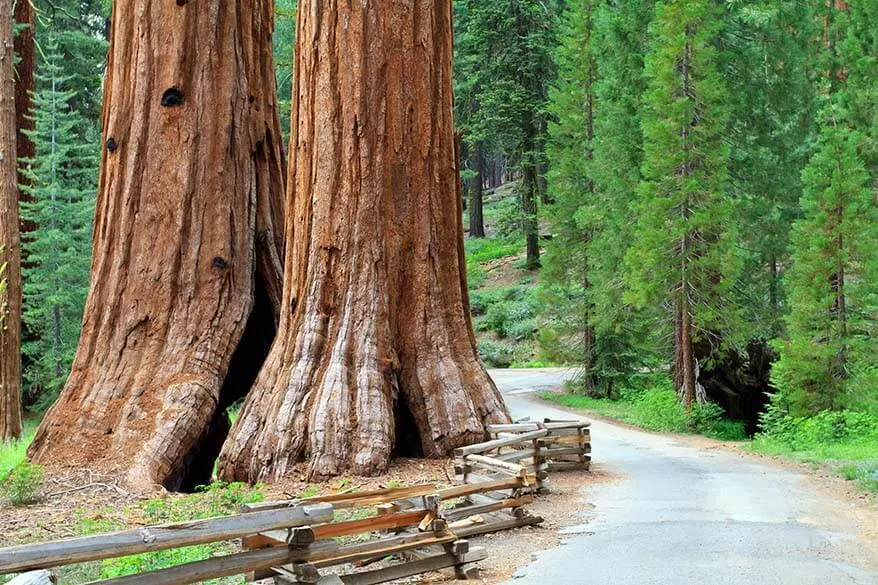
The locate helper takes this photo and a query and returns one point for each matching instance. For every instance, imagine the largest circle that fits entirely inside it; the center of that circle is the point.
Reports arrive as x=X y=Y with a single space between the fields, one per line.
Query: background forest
x=697 y=235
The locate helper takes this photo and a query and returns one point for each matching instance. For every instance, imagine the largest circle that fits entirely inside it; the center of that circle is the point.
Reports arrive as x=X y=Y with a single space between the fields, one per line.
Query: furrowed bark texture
x=10 y=246
x=24 y=77
x=375 y=352
x=191 y=180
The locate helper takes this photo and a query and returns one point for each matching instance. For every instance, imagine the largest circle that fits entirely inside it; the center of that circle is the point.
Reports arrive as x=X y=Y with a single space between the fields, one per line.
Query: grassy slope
x=11 y=454
x=656 y=408
x=502 y=291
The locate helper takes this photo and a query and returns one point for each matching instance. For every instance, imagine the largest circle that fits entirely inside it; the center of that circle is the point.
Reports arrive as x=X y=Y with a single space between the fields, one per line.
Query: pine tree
x=859 y=50
x=622 y=37
x=79 y=28
x=284 y=42
x=682 y=258
x=833 y=282
x=766 y=50
x=61 y=185
x=568 y=287
x=595 y=152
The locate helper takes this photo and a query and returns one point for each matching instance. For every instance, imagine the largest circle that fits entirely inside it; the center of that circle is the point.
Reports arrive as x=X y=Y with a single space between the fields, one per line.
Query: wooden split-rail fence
x=533 y=448
x=420 y=528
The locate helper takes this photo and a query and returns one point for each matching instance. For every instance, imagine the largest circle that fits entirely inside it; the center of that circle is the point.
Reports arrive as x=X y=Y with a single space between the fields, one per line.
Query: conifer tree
x=833 y=281
x=766 y=50
x=568 y=290
x=859 y=50
x=61 y=185
x=681 y=258
x=10 y=253
x=595 y=153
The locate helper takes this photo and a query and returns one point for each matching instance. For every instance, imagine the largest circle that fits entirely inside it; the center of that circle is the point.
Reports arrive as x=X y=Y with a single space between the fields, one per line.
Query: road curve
x=685 y=514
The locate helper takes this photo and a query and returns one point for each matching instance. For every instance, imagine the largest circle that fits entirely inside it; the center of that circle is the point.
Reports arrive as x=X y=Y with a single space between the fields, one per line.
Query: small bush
x=22 y=484
x=509 y=218
x=710 y=419
x=512 y=319
x=495 y=355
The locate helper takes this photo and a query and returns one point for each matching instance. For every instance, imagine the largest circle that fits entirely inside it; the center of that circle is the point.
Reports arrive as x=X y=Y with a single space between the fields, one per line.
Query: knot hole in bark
x=220 y=262
x=172 y=97
x=112 y=145
x=182 y=2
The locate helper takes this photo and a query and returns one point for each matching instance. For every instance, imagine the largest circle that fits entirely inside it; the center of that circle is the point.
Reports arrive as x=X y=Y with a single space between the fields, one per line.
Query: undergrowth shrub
x=651 y=402
x=21 y=485
x=475 y=275
x=824 y=428
x=496 y=354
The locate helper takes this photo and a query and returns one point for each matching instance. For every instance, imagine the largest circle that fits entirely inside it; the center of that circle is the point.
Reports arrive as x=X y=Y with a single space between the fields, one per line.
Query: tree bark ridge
x=376 y=328
x=185 y=223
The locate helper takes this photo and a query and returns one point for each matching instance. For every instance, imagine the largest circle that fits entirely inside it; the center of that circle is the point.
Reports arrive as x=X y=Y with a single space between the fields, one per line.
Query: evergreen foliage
x=62 y=180
x=682 y=259
x=833 y=280
x=284 y=48
x=595 y=152
x=766 y=50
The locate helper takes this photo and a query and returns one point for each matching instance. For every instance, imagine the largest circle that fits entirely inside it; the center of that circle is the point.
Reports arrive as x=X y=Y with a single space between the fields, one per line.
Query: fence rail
x=292 y=541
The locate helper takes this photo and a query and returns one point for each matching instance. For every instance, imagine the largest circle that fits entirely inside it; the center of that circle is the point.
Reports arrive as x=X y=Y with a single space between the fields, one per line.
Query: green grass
x=13 y=453
x=218 y=499
x=846 y=442
x=488 y=249
x=656 y=409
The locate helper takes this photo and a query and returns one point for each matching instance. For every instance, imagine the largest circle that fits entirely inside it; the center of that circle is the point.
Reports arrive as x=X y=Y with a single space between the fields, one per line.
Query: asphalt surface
x=688 y=514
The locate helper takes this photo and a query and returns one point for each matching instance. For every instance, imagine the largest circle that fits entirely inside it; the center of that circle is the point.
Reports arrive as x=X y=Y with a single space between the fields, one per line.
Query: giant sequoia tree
x=375 y=351
x=186 y=247
x=10 y=274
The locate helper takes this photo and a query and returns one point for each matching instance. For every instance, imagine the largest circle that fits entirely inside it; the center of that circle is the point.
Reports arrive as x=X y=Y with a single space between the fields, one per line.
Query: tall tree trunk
x=24 y=76
x=528 y=196
x=10 y=247
x=375 y=354
x=476 y=193
x=588 y=331
x=543 y=184
x=685 y=354
x=186 y=247
x=461 y=151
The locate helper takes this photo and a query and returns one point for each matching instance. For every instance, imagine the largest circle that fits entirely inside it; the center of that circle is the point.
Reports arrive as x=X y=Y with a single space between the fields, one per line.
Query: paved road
x=687 y=515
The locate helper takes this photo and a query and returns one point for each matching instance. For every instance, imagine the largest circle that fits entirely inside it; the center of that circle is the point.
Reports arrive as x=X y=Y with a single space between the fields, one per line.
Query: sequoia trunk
x=185 y=240
x=375 y=352
x=10 y=248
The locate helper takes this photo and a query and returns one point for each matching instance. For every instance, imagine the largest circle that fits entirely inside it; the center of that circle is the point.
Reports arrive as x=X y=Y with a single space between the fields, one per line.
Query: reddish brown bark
x=10 y=248
x=191 y=180
x=24 y=76
x=375 y=351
